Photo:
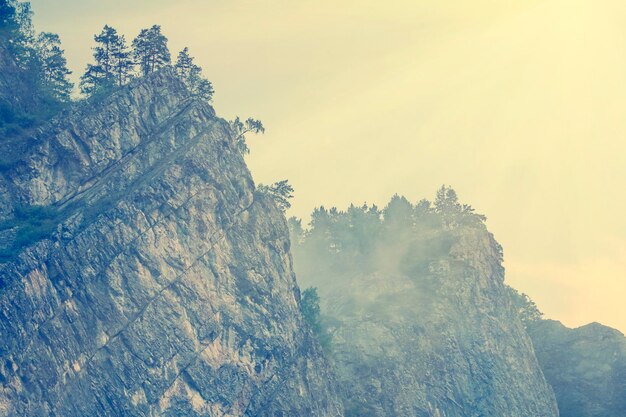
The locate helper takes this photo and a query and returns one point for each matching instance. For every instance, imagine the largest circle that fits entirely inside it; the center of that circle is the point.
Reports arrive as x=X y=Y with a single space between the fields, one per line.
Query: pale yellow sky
x=518 y=104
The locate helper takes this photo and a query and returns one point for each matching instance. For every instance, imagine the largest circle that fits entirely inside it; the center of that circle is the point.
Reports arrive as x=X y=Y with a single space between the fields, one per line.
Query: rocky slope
x=421 y=324
x=142 y=274
x=585 y=366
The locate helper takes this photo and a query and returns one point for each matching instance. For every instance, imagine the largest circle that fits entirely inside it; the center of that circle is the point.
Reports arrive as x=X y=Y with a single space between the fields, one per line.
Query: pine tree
x=311 y=313
x=122 y=64
x=8 y=17
x=191 y=75
x=54 y=72
x=34 y=68
x=447 y=201
x=310 y=308
x=398 y=214
x=453 y=213
x=281 y=192
x=296 y=232
x=200 y=86
x=448 y=207
x=24 y=17
x=17 y=34
x=101 y=75
x=239 y=130
x=103 y=53
x=150 y=50
x=184 y=64
x=16 y=22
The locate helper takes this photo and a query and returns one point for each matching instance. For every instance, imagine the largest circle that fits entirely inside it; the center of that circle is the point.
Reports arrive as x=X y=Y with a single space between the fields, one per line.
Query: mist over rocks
x=420 y=320
x=144 y=273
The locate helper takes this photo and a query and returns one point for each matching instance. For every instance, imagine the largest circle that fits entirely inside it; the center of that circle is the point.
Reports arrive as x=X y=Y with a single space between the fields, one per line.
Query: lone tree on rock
x=281 y=192
x=150 y=50
x=239 y=130
x=191 y=75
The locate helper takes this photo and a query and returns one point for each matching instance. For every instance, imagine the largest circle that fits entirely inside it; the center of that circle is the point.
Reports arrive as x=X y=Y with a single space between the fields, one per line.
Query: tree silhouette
x=526 y=308
x=239 y=130
x=150 y=50
x=54 y=72
x=122 y=63
x=112 y=62
x=310 y=309
x=280 y=191
x=184 y=64
x=191 y=75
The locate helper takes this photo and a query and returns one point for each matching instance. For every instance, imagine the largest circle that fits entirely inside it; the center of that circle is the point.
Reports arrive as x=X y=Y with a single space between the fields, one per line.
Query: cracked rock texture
x=147 y=276
x=586 y=367
x=426 y=329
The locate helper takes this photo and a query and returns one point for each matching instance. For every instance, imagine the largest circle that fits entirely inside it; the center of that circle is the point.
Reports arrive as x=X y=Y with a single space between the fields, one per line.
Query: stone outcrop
x=141 y=272
x=586 y=367
x=424 y=327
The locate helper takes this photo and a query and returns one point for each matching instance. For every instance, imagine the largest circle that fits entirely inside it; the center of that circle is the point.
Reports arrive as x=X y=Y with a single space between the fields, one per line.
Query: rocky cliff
x=141 y=274
x=586 y=367
x=420 y=320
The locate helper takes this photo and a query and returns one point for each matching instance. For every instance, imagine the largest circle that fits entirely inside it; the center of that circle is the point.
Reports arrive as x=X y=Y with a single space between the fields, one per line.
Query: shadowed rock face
x=427 y=329
x=155 y=281
x=585 y=366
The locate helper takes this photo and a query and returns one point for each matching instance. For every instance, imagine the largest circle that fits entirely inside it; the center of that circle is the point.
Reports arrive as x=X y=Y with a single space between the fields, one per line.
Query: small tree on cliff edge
x=239 y=129
x=191 y=75
x=454 y=213
x=525 y=307
x=281 y=192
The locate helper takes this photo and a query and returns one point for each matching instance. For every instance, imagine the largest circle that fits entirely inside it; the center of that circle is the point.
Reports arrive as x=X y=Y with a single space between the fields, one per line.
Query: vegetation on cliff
x=413 y=302
x=34 y=82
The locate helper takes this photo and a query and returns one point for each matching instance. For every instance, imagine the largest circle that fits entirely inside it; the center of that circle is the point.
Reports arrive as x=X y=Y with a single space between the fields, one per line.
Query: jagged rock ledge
x=153 y=280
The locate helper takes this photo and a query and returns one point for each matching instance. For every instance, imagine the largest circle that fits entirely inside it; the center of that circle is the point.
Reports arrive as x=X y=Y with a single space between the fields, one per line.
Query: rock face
x=423 y=326
x=585 y=366
x=142 y=274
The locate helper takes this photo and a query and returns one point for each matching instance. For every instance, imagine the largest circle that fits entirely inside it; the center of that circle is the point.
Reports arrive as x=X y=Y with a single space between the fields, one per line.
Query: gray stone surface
x=164 y=285
x=430 y=331
x=586 y=367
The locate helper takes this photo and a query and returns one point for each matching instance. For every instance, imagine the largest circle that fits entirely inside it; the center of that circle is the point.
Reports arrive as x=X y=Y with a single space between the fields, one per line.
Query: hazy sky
x=518 y=104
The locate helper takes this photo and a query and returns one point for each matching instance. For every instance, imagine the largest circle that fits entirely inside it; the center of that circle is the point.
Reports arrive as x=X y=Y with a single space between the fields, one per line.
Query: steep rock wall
x=586 y=367
x=157 y=281
x=424 y=327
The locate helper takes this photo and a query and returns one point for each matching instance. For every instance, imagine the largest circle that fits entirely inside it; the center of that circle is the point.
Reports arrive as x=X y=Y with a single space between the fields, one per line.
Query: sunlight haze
x=519 y=105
